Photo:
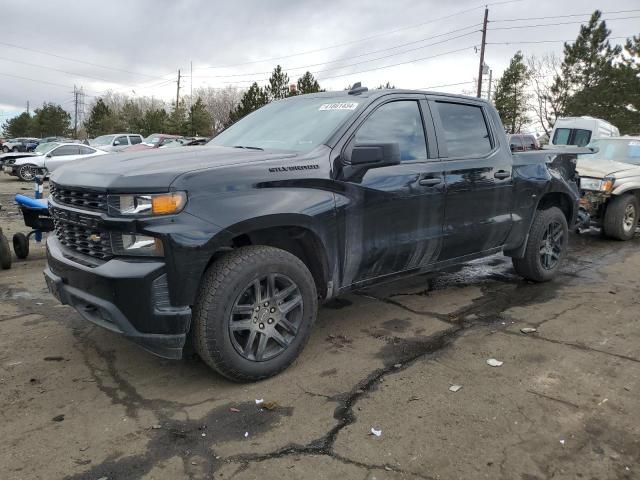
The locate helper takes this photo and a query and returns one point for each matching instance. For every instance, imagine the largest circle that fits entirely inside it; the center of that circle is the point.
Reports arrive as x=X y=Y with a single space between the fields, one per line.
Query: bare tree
x=543 y=70
x=219 y=103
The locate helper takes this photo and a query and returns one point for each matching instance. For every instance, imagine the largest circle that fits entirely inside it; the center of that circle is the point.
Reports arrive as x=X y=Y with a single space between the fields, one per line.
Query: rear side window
x=581 y=137
x=86 y=150
x=515 y=143
x=66 y=150
x=396 y=122
x=572 y=136
x=121 y=140
x=135 y=139
x=465 y=129
x=529 y=142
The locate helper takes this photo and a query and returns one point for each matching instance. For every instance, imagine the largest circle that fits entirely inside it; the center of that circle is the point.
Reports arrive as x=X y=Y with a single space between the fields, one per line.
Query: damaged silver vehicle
x=610 y=182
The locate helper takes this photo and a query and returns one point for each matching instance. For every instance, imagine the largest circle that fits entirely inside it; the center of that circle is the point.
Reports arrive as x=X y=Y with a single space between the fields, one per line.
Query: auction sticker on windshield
x=339 y=106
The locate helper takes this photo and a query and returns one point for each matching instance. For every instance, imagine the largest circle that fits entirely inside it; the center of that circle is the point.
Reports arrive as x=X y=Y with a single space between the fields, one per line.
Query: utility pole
x=484 y=40
x=75 y=116
x=27 y=107
x=178 y=90
x=191 y=99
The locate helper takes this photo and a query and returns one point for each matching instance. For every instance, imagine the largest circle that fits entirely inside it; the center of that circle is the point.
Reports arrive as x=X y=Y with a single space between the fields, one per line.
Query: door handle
x=502 y=174
x=430 y=181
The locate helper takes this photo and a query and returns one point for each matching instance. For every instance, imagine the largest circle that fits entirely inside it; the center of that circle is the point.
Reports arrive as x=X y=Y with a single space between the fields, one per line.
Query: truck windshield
x=623 y=150
x=102 y=140
x=298 y=124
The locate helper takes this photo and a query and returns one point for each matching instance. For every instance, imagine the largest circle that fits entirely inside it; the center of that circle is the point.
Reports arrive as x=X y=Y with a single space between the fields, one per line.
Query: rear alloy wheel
x=254 y=312
x=546 y=246
x=621 y=217
x=27 y=173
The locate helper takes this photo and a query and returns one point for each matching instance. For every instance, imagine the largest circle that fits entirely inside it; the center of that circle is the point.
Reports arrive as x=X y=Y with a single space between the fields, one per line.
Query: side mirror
x=374 y=155
x=48 y=155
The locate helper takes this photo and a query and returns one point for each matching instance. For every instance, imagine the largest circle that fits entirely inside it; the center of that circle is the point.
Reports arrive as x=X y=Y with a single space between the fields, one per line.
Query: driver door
x=392 y=216
x=61 y=155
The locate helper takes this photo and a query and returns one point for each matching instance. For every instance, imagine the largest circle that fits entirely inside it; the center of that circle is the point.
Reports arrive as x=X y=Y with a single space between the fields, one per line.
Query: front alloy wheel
x=265 y=318
x=27 y=173
x=551 y=246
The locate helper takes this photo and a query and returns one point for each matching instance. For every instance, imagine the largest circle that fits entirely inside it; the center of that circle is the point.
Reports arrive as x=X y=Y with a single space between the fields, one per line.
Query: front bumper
x=126 y=297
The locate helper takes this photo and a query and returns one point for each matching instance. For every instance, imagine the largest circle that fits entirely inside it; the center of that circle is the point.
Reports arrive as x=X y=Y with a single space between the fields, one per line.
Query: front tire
x=27 y=173
x=546 y=246
x=254 y=312
x=621 y=217
x=21 y=245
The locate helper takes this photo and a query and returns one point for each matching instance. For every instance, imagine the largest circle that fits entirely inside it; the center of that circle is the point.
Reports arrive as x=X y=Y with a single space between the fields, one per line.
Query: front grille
x=82 y=233
x=79 y=198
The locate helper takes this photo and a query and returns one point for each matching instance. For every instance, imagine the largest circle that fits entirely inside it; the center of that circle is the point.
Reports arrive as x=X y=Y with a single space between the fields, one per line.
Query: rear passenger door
x=120 y=143
x=477 y=172
x=61 y=155
x=135 y=139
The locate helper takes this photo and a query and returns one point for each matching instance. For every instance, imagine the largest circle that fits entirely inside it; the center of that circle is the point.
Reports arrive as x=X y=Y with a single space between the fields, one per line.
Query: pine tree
x=100 y=121
x=278 y=87
x=131 y=117
x=20 y=126
x=510 y=97
x=177 y=120
x=154 y=121
x=307 y=84
x=252 y=99
x=199 y=119
x=51 y=119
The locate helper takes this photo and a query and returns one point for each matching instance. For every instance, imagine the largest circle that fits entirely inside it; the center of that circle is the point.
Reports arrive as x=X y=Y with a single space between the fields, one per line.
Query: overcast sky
x=142 y=43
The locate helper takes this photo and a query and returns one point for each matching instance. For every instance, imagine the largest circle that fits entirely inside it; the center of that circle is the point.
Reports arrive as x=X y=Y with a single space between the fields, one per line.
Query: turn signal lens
x=607 y=185
x=167 y=203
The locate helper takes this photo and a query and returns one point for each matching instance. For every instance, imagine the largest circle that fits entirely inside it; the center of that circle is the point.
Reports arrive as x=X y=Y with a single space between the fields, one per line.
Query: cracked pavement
x=81 y=403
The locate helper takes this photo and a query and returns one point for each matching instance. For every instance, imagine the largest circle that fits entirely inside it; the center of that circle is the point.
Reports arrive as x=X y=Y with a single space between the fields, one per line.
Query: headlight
x=144 y=205
x=132 y=244
x=596 y=184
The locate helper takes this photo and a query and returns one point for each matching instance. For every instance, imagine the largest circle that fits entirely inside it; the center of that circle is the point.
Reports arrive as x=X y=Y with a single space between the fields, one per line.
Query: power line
x=548 y=41
x=447 y=85
x=12 y=45
x=563 y=16
x=559 y=23
x=389 y=32
x=303 y=67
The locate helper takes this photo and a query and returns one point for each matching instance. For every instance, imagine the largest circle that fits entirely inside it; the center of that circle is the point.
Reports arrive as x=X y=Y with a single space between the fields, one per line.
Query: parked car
x=25 y=144
x=185 y=142
x=522 y=142
x=156 y=140
x=233 y=244
x=610 y=180
x=48 y=159
x=579 y=131
x=116 y=142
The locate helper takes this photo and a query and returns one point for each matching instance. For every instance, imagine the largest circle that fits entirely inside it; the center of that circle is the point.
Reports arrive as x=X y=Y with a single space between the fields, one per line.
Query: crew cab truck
x=231 y=246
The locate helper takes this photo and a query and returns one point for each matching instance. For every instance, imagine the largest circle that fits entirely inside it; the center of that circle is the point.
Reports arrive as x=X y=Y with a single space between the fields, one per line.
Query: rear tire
x=621 y=217
x=5 y=253
x=21 y=245
x=254 y=312
x=546 y=246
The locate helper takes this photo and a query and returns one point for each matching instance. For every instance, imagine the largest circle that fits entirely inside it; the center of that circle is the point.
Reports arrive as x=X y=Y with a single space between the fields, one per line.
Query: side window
x=465 y=129
x=396 y=122
x=515 y=143
x=135 y=139
x=86 y=150
x=164 y=141
x=529 y=142
x=121 y=140
x=581 y=137
x=561 y=136
x=65 y=150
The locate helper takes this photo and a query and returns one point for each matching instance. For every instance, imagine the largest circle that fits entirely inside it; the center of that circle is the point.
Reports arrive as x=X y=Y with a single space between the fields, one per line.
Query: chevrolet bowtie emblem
x=95 y=238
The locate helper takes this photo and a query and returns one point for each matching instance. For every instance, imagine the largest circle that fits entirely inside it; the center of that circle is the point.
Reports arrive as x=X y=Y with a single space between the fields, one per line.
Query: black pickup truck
x=230 y=247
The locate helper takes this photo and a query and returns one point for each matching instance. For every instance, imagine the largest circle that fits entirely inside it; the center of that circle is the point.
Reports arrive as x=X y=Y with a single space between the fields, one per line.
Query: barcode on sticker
x=339 y=106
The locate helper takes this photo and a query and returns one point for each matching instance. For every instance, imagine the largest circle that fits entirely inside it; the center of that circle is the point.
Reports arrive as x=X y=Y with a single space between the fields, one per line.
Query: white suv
x=115 y=142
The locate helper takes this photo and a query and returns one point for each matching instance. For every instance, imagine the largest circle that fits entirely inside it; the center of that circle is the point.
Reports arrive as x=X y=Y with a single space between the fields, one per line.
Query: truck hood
x=154 y=169
x=603 y=168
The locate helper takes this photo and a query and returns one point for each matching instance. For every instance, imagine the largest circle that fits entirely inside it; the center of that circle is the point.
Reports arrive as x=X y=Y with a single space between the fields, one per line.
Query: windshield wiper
x=248 y=148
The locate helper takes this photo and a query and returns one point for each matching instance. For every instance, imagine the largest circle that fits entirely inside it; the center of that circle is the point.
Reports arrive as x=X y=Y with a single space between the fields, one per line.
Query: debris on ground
x=561 y=442
x=605 y=400
x=246 y=434
x=492 y=362
x=204 y=434
x=270 y=405
x=157 y=426
x=259 y=401
x=528 y=329
x=397 y=365
x=455 y=388
x=58 y=418
x=234 y=410
x=375 y=432
x=413 y=399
